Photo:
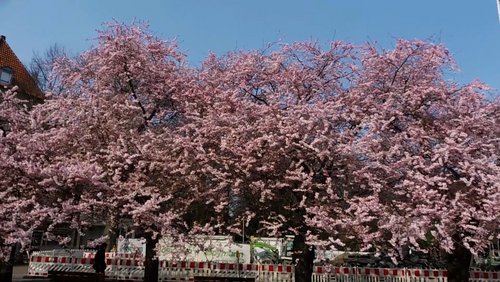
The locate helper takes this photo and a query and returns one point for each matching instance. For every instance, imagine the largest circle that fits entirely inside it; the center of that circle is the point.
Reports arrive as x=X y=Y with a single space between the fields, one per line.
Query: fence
x=482 y=276
x=123 y=267
x=347 y=274
x=175 y=271
x=127 y=267
x=40 y=265
x=118 y=266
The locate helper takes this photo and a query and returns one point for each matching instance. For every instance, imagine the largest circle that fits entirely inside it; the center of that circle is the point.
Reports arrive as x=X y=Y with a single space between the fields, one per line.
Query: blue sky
x=470 y=29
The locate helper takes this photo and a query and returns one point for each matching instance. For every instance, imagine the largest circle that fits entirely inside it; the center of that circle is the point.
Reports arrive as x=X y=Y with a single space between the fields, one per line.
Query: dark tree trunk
x=5 y=272
x=151 y=265
x=13 y=251
x=303 y=258
x=458 y=262
x=6 y=267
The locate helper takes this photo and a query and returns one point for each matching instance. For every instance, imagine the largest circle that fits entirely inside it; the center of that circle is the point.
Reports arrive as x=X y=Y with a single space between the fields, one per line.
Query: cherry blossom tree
x=124 y=124
x=360 y=149
x=20 y=208
x=98 y=150
x=424 y=158
x=265 y=138
x=345 y=147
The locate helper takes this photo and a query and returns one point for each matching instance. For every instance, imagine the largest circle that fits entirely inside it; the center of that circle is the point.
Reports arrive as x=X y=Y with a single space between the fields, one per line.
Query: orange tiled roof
x=20 y=76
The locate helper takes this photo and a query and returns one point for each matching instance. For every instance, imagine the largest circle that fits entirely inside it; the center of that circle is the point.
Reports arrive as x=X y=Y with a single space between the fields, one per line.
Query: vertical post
x=78 y=238
x=243 y=237
x=238 y=263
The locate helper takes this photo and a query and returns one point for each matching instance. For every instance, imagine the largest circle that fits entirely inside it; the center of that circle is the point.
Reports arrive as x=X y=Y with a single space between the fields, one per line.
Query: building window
x=5 y=76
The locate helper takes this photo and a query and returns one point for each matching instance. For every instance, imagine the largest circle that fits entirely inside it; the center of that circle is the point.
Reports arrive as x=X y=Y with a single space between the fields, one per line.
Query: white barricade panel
x=328 y=274
x=174 y=271
x=484 y=276
x=129 y=268
x=117 y=266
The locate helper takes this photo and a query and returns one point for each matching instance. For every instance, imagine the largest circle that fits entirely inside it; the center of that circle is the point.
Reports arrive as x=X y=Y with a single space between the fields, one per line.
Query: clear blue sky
x=469 y=28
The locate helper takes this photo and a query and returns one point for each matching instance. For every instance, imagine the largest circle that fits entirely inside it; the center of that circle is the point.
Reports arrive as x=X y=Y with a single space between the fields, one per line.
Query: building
x=13 y=72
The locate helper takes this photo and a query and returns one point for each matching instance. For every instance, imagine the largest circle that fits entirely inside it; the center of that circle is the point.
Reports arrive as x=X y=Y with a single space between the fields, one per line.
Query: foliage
x=349 y=147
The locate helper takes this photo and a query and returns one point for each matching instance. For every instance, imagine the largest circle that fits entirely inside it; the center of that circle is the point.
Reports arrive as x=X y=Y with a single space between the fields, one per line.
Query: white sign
x=204 y=248
x=265 y=246
x=131 y=246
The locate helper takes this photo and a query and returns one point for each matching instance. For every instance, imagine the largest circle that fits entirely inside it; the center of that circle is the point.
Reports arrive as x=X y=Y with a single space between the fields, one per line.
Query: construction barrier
x=122 y=268
x=175 y=271
x=341 y=274
x=126 y=267
x=482 y=276
x=118 y=266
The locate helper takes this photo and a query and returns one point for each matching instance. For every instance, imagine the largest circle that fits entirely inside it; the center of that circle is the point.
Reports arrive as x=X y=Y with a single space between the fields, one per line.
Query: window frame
x=8 y=71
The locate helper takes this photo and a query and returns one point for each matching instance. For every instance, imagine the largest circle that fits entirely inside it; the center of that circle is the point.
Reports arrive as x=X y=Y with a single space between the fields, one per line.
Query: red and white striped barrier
x=177 y=271
x=117 y=267
x=128 y=269
x=39 y=266
x=132 y=269
x=481 y=276
x=325 y=274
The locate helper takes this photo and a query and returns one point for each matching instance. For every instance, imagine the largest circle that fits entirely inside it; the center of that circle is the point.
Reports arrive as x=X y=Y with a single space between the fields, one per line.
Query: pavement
x=20 y=272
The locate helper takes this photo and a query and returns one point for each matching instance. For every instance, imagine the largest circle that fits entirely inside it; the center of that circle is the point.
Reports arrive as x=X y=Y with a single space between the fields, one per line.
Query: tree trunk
x=5 y=272
x=13 y=251
x=6 y=266
x=458 y=262
x=151 y=265
x=303 y=258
